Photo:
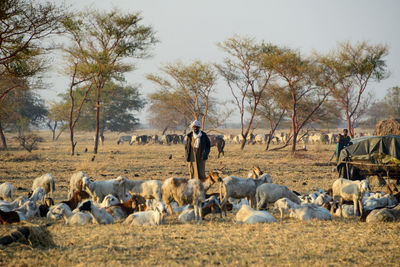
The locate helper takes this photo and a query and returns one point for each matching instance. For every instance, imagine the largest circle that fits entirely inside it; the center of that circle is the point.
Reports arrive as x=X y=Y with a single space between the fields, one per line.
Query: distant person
x=197 y=148
x=344 y=140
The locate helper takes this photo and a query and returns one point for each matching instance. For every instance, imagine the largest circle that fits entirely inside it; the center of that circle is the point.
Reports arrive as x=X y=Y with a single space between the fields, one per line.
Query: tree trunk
x=71 y=138
x=53 y=130
x=268 y=142
x=294 y=126
x=243 y=141
x=3 y=138
x=165 y=129
x=71 y=124
x=350 y=127
x=96 y=140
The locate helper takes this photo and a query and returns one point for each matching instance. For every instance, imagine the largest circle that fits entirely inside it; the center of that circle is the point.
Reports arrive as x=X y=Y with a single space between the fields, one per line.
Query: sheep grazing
x=347 y=190
x=75 y=183
x=150 y=189
x=302 y=212
x=211 y=205
x=101 y=215
x=98 y=190
x=251 y=216
x=6 y=192
x=152 y=217
x=270 y=193
x=122 y=210
x=185 y=191
x=45 y=181
x=75 y=199
x=235 y=187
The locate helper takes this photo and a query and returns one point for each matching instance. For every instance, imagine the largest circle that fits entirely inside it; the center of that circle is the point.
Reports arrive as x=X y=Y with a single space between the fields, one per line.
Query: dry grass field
x=341 y=242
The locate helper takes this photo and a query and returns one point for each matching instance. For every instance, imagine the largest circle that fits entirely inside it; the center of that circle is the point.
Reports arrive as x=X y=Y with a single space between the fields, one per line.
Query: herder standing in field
x=197 y=148
x=344 y=140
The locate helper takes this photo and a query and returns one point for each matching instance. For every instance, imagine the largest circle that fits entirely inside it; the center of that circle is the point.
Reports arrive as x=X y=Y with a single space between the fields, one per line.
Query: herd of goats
x=148 y=202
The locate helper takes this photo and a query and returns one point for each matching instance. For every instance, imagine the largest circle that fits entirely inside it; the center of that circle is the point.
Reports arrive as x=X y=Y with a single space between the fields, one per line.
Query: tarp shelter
x=372 y=155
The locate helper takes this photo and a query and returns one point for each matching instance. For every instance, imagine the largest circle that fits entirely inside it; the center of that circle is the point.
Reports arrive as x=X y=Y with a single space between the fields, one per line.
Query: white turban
x=195 y=123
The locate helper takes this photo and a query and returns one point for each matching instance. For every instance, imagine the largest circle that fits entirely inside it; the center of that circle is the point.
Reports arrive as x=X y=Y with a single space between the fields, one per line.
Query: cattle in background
x=143 y=139
x=124 y=138
x=219 y=142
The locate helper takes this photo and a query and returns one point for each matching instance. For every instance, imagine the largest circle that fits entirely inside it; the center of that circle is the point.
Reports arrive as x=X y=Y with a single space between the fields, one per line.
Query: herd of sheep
x=148 y=202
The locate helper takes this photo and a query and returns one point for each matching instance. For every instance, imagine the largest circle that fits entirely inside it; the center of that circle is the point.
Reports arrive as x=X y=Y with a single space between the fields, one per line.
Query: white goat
x=344 y=189
x=45 y=181
x=28 y=209
x=6 y=192
x=374 y=202
x=236 y=187
x=56 y=212
x=269 y=193
x=302 y=212
x=37 y=194
x=75 y=183
x=152 y=217
x=149 y=189
x=62 y=211
x=79 y=218
x=184 y=192
x=251 y=216
x=347 y=210
x=108 y=201
x=101 y=215
x=8 y=206
x=98 y=190
x=211 y=205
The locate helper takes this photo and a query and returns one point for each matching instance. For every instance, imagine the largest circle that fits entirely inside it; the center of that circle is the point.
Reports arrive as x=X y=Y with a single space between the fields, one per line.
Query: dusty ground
x=217 y=241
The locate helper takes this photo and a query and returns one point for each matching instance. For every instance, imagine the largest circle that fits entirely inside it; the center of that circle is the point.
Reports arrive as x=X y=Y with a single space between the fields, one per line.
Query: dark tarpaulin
x=370 y=150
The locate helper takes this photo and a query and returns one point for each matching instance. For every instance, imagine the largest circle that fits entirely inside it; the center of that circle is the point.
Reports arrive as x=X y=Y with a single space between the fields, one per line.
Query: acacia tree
x=391 y=102
x=118 y=107
x=24 y=24
x=186 y=90
x=272 y=110
x=246 y=77
x=346 y=73
x=298 y=90
x=102 y=42
x=57 y=119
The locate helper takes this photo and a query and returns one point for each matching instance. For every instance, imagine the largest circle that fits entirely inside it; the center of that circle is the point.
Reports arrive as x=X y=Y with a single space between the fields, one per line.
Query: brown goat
x=135 y=203
x=7 y=217
x=256 y=172
x=76 y=198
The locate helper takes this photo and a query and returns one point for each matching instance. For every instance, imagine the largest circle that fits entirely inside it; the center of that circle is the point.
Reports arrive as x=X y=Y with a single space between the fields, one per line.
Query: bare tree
x=272 y=111
x=246 y=77
x=186 y=90
x=102 y=42
x=346 y=73
x=298 y=88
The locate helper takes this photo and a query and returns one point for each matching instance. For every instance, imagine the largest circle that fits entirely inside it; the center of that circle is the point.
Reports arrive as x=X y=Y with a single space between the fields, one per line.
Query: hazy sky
x=189 y=30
